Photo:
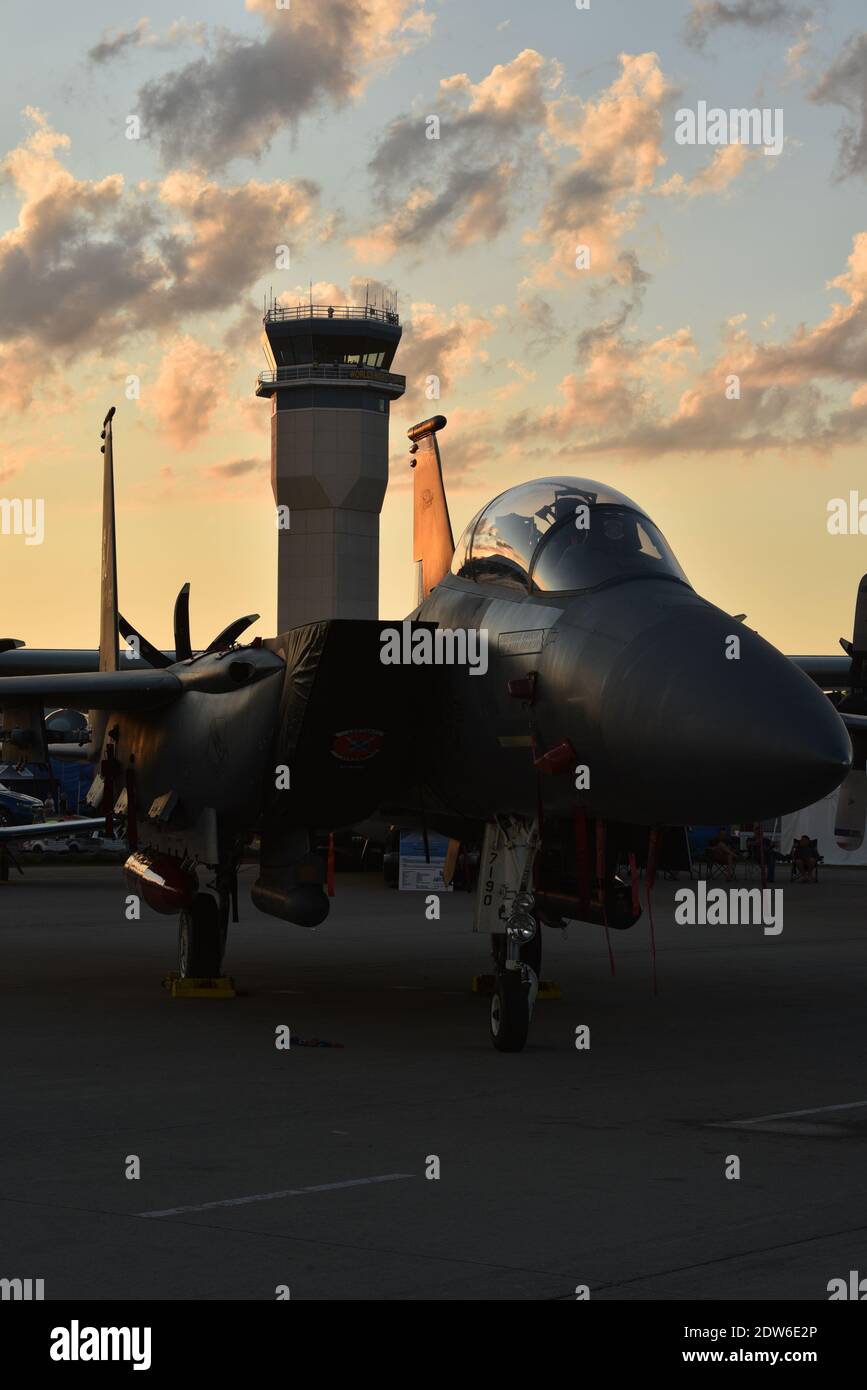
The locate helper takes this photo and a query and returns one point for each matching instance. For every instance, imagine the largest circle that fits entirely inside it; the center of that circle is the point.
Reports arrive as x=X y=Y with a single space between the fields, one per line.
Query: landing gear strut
x=202 y=932
x=518 y=960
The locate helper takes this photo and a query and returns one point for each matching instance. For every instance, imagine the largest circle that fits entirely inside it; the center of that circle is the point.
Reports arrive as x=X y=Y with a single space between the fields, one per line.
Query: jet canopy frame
x=563 y=535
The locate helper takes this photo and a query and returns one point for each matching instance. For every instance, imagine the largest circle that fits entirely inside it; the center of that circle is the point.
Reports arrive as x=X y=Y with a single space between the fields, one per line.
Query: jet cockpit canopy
x=559 y=535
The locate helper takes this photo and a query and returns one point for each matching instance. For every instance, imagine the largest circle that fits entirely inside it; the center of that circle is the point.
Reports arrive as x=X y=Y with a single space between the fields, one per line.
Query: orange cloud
x=91 y=264
x=463 y=186
x=190 y=386
x=808 y=391
x=441 y=344
x=724 y=167
x=595 y=198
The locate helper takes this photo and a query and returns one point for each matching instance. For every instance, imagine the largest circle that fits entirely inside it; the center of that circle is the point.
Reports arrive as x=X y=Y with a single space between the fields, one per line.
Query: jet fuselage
x=674 y=722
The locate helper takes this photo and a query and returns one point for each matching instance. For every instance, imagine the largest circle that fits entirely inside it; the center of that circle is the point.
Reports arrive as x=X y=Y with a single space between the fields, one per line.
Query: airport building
x=330 y=384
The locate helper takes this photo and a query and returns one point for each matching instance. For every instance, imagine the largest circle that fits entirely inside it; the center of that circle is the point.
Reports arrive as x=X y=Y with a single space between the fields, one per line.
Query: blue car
x=17 y=809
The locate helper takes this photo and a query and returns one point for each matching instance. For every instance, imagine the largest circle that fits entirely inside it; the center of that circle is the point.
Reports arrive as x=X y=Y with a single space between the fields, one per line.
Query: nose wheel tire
x=201 y=939
x=510 y=1012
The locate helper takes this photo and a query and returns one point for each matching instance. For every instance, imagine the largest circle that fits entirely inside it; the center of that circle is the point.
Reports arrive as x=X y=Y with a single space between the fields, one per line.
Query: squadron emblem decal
x=357 y=745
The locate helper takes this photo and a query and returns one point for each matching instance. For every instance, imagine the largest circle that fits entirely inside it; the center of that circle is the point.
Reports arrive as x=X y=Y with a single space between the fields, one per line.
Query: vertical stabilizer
x=433 y=543
x=859 y=628
x=108 y=581
x=857 y=648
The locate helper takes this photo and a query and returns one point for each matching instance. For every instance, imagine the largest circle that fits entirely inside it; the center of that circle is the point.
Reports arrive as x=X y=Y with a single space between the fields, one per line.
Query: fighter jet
x=599 y=646
x=617 y=702
x=199 y=750
x=613 y=703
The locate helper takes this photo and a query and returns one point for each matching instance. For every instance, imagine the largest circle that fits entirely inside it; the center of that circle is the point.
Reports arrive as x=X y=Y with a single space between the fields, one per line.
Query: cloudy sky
x=260 y=127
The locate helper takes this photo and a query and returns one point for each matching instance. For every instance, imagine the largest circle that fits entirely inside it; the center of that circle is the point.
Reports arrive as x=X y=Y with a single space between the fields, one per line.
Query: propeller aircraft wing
x=38 y=830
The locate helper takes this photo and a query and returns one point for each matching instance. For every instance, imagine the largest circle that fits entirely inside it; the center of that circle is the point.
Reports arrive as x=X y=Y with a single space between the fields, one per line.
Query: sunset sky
x=262 y=126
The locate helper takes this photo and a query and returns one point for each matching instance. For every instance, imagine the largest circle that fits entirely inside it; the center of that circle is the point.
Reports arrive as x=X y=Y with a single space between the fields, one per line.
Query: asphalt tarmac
x=306 y=1169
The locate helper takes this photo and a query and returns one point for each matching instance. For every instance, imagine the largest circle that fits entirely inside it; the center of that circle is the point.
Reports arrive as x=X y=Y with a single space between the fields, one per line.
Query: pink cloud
x=190 y=386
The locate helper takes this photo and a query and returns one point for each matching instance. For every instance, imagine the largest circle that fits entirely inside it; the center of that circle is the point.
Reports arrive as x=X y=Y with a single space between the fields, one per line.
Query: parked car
x=53 y=844
x=97 y=841
x=93 y=843
x=18 y=809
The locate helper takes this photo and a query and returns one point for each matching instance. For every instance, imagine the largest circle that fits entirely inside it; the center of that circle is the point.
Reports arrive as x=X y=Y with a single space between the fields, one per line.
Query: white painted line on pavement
x=271 y=1196
x=789 y=1114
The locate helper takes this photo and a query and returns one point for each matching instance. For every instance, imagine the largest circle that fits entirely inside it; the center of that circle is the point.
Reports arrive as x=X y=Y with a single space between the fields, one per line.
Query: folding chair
x=796 y=863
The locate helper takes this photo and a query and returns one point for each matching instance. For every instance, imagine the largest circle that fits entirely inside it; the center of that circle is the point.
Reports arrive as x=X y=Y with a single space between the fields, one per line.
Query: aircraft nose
x=716 y=725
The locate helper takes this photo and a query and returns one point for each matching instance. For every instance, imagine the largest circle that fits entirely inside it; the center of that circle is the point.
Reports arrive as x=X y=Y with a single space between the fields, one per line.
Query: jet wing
x=38 y=830
x=107 y=690
x=829 y=672
x=843 y=672
x=19 y=660
x=855 y=723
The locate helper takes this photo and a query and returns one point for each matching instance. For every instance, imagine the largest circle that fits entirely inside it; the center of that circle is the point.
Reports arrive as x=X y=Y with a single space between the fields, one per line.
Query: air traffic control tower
x=330 y=389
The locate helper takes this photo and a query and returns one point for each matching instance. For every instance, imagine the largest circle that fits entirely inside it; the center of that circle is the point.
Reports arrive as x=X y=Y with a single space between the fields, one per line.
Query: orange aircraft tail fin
x=433 y=543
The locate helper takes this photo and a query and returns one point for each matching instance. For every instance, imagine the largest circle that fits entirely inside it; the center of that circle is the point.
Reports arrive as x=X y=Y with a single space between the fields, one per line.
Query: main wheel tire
x=510 y=1012
x=201 y=939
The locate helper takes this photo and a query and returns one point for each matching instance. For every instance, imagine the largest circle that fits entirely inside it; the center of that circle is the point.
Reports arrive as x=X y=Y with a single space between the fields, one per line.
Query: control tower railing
x=280 y=312
x=335 y=371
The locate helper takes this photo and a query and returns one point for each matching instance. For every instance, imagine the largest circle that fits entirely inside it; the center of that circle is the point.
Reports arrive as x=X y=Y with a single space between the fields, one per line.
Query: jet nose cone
x=719 y=725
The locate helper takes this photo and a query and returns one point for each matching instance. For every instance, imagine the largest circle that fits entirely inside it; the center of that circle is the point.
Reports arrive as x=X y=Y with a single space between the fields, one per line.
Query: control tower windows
x=364 y=359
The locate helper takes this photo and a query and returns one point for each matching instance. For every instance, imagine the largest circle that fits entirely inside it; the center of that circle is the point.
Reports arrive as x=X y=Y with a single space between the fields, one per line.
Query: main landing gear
x=202 y=931
x=517 y=956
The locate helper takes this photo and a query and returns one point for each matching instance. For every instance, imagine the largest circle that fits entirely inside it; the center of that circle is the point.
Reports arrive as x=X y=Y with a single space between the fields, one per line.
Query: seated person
x=721 y=851
x=767 y=853
x=804 y=857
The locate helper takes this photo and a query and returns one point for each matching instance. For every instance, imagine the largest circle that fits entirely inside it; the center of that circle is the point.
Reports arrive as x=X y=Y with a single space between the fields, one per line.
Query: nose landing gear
x=510 y=1012
x=517 y=956
x=506 y=909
